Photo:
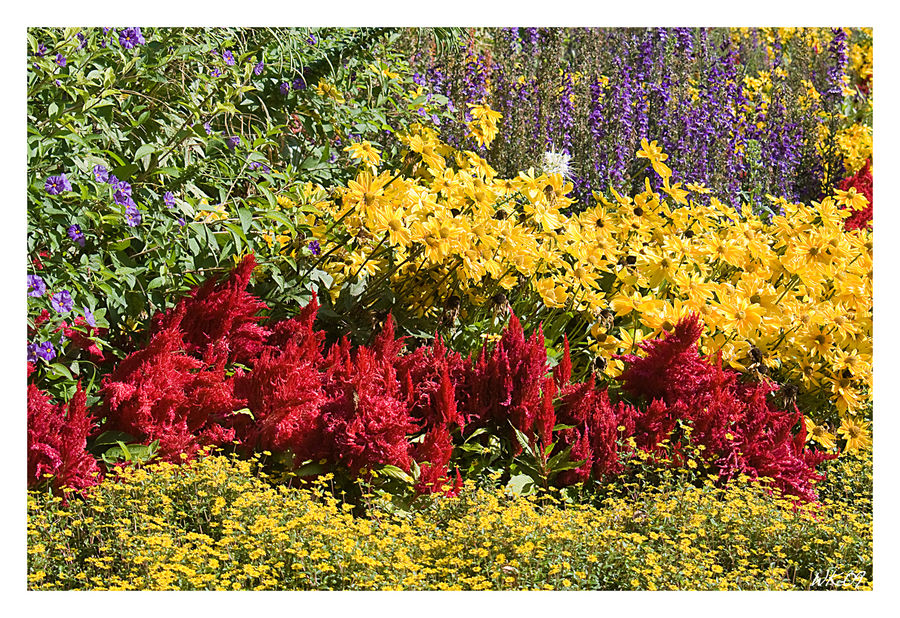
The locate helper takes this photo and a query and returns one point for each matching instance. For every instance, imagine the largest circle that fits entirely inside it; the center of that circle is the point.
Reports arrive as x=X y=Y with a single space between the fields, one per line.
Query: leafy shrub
x=154 y=157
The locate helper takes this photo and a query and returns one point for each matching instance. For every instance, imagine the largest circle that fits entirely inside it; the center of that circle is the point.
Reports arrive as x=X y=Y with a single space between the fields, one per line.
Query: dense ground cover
x=336 y=253
x=215 y=525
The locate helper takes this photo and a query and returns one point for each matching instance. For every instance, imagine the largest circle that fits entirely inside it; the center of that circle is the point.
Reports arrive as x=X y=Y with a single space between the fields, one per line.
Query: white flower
x=556 y=163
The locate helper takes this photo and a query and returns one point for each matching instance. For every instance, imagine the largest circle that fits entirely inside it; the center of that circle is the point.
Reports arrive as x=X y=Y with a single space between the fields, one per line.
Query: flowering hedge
x=788 y=296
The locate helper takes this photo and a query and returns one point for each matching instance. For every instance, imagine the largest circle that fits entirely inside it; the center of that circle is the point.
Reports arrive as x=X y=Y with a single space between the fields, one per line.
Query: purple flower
x=41 y=350
x=89 y=318
x=122 y=198
x=299 y=84
x=311 y=39
x=57 y=184
x=75 y=234
x=131 y=37
x=101 y=174
x=36 y=286
x=258 y=69
x=314 y=247
x=112 y=180
x=233 y=142
x=284 y=87
x=132 y=215
x=215 y=72
x=169 y=199
x=181 y=221
x=60 y=60
x=83 y=40
x=228 y=57
x=62 y=302
x=208 y=128
x=41 y=50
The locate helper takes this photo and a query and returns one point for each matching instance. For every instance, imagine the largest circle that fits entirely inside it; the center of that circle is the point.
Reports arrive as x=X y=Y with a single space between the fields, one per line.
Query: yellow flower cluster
x=483 y=126
x=798 y=288
x=855 y=144
x=327 y=89
x=215 y=525
x=860 y=55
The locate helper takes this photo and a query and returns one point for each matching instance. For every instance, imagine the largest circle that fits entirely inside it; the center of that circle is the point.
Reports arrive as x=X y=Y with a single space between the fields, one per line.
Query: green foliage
x=171 y=115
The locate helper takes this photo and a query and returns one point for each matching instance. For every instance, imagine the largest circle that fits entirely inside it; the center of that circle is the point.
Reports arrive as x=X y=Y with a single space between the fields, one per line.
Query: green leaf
x=523 y=441
x=124 y=450
x=521 y=485
x=59 y=368
x=311 y=468
x=124 y=171
x=130 y=452
x=322 y=277
x=281 y=218
x=245 y=411
x=356 y=289
x=559 y=459
x=476 y=433
x=143 y=151
x=396 y=473
x=238 y=236
x=571 y=465
x=246 y=220
x=111 y=437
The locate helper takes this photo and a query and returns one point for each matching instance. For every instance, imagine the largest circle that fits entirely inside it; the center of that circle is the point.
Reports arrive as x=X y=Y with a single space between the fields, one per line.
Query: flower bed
x=431 y=345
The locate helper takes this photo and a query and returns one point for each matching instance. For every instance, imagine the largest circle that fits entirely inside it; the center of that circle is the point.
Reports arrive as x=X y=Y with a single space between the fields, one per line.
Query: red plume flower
x=57 y=441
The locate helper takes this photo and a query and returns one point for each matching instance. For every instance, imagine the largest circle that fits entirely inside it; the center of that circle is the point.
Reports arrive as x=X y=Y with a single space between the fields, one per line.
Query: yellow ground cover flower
x=665 y=535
